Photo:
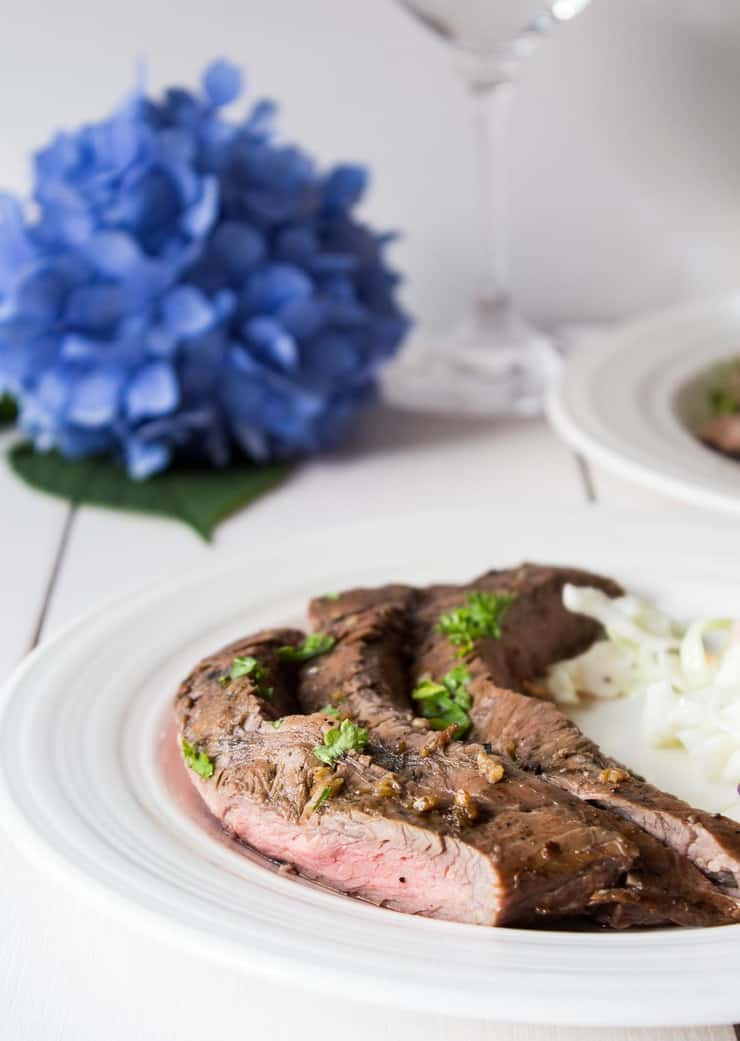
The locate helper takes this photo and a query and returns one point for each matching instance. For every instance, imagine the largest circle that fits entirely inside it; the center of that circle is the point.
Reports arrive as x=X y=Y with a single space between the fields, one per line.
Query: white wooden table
x=67 y=974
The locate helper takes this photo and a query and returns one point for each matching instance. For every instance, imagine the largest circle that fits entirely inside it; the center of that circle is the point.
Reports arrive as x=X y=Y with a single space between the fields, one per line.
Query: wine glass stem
x=491 y=105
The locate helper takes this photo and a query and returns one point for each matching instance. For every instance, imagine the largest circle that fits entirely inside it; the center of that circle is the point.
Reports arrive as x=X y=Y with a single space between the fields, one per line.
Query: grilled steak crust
x=550 y=850
x=394 y=830
x=538 y=630
x=267 y=788
x=544 y=740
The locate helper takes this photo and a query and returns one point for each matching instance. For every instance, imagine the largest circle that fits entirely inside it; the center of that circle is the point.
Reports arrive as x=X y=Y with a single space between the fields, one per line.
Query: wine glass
x=496 y=363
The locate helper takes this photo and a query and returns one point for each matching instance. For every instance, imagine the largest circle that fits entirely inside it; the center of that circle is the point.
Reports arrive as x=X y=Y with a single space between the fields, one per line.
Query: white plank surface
x=67 y=974
x=31 y=527
x=399 y=463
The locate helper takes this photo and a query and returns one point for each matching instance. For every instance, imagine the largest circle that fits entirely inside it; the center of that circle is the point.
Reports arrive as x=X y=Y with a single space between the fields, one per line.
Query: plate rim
x=577 y=434
x=128 y=912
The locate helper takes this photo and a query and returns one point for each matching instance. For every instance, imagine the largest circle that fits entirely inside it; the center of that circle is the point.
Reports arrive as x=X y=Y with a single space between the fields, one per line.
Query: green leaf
x=448 y=702
x=339 y=740
x=326 y=794
x=481 y=615
x=249 y=666
x=197 y=496
x=724 y=392
x=8 y=410
x=199 y=762
x=314 y=645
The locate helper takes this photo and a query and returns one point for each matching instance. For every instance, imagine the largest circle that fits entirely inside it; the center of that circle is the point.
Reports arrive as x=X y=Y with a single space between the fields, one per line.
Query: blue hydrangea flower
x=189 y=288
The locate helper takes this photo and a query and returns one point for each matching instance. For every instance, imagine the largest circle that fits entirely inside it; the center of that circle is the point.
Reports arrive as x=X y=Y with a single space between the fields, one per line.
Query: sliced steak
x=722 y=433
x=541 y=737
x=399 y=841
x=552 y=845
x=538 y=733
x=538 y=630
x=367 y=668
x=425 y=824
x=267 y=785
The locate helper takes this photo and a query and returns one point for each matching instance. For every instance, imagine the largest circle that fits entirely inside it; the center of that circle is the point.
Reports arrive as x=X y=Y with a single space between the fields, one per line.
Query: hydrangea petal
x=54 y=389
x=187 y=311
x=236 y=248
x=199 y=218
x=40 y=296
x=274 y=286
x=161 y=341
x=297 y=245
x=16 y=251
x=113 y=253
x=222 y=82
x=261 y=119
x=95 y=309
x=345 y=186
x=271 y=342
x=302 y=318
x=95 y=398
x=77 y=442
x=146 y=458
x=154 y=391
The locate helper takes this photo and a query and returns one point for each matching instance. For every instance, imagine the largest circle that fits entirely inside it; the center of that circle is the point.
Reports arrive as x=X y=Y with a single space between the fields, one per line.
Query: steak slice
x=662 y=887
x=551 y=846
x=371 y=838
x=546 y=740
x=538 y=733
x=538 y=630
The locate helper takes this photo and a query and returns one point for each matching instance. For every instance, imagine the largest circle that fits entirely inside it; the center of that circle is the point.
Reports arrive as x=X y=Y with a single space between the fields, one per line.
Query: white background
x=625 y=147
x=626 y=159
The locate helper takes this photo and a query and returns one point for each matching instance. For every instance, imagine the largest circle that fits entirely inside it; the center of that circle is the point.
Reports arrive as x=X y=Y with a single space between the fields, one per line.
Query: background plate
x=629 y=399
x=82 y=785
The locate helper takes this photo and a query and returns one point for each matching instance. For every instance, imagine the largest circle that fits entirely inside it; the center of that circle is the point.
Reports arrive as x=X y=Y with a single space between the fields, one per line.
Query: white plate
x=82 y=786
x=629 y=399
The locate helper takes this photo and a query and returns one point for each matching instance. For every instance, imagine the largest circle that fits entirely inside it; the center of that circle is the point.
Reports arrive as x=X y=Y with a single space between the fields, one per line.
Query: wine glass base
x=504 y=369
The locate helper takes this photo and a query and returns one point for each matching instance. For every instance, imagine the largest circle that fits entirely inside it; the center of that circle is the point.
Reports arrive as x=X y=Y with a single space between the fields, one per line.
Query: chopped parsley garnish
x=332 y=596
x=199 y=762
x=250 y=667
x=324 y=797
x=329 y=710
x=347 y=737
x=314 y=645
x=447 y=703
x=481 y=615
x=277 y=723
x=724 y=392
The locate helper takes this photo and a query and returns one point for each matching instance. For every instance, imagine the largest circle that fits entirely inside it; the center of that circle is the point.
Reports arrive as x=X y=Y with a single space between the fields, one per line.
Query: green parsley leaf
x=199 y=762
x=724 y=391
x=481 y=615
x=447 y=703
x=324 y=797
x=331 y=596
x=314 y=645
x=329 y=710
x=347 y=737
x=277 y=723
x=249 y=666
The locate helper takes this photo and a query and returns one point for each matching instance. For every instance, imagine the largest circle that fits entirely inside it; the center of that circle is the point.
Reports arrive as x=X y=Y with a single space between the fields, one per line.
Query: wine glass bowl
x=483 y=26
